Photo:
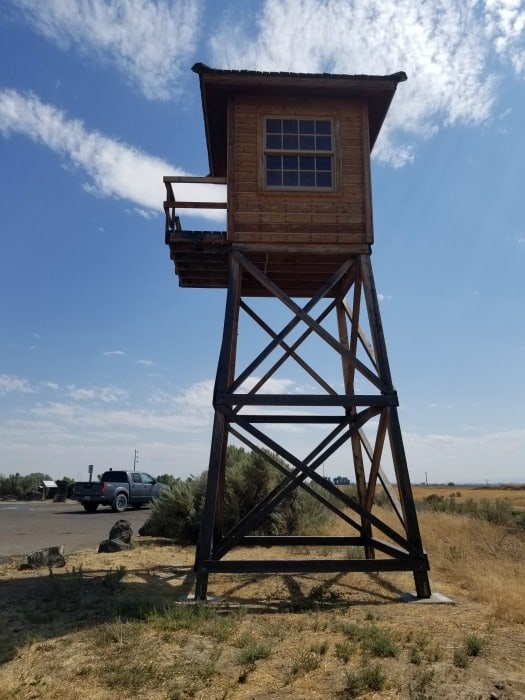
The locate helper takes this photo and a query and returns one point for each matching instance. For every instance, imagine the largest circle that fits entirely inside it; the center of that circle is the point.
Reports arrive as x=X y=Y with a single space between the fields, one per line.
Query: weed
x=252 y=649
x=473 y=645
x=343 y=651
x=377 y=642
x=132 y=677
x=321 y=595
x=201 y=619
x=416 y=657
x=373 y=676
x=460 y=659
x=418 y=691
x=321 y=648
x=369 y=677
x=113 y=579
x=305 y=662
x=355 y=552
x=243 y=675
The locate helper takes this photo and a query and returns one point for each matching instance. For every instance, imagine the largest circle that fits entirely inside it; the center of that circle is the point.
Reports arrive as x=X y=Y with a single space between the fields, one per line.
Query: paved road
x=28 y=526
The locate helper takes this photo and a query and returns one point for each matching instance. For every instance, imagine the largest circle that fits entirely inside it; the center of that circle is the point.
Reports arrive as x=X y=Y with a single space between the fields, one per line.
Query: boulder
x=49 y=557
x=113 y=545
x=121 y=530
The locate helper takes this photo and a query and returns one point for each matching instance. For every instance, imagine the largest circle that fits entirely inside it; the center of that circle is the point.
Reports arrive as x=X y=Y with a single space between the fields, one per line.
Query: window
x=298 y=153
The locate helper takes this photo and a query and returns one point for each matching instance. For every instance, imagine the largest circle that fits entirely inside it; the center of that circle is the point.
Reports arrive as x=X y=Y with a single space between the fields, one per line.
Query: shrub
x=250 y=477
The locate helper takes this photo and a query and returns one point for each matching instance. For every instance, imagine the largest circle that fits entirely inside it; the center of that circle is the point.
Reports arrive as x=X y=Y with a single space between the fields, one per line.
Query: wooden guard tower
x=294 y=152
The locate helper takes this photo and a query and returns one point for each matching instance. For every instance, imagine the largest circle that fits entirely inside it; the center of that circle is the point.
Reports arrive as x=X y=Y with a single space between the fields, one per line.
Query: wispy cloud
x=11 y=384
x=114 y=169
x=126 y=34
x=445 y=46
x=113 y=353
x=106 y=394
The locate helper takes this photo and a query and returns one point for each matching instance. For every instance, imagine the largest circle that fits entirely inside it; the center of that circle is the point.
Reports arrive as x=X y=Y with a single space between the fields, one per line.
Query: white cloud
x=441 y=44
x=505 y=26
x=106 y=394
x=149 y=41
x=466 y=458
x=11 y=384
x=113 y=353
x=115 y=169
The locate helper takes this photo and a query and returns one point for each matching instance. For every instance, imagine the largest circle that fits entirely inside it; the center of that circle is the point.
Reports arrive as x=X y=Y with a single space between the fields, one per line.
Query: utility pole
x=135 y=459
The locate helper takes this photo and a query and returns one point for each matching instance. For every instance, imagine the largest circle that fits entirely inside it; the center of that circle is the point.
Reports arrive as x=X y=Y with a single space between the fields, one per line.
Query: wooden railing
x=171 y=204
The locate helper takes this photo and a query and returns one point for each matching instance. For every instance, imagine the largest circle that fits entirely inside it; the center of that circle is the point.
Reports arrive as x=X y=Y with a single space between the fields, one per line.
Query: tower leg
x=213 y=513
x=398 y=451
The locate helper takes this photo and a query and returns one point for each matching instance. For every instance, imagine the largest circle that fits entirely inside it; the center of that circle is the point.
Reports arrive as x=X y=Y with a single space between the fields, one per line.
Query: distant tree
x=17 y=486
x=342 y=481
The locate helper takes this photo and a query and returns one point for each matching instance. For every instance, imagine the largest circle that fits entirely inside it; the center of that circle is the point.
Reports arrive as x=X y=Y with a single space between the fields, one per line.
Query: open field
x=120 y=625
x=514 y=493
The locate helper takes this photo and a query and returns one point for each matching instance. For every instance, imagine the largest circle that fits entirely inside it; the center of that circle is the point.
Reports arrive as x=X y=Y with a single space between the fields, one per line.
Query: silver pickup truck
x=118 y=489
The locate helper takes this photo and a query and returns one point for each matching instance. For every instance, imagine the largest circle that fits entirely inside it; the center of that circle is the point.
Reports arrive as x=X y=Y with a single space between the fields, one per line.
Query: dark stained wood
x=298 y=566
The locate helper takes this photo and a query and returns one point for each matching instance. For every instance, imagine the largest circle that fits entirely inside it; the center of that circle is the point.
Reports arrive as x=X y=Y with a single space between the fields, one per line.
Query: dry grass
x=92 y=630
x=513 y=493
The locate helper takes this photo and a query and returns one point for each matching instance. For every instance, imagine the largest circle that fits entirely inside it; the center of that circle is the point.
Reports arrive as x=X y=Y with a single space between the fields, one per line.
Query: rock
x=121 y=530
x=113 y=545
x=50 y=557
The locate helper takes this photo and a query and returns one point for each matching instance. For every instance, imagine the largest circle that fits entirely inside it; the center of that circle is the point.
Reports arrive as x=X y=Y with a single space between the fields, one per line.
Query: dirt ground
x=306 y=623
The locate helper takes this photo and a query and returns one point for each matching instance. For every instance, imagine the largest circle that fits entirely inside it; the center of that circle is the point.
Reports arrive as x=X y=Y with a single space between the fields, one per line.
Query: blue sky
x=101 y=353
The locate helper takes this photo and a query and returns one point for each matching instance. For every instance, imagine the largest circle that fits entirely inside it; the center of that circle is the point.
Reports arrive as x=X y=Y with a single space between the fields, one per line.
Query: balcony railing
x=171 y=205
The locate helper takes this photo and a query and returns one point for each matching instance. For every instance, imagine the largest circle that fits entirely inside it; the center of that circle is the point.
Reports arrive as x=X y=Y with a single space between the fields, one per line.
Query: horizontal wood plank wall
x=263 y=216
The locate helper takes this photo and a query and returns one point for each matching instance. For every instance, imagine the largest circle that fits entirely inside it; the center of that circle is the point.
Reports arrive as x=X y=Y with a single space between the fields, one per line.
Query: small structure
x=48 y=489
x=294 y=152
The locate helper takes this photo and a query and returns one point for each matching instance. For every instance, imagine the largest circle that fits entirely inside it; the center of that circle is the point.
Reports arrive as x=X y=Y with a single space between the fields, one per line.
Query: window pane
x=290 y=126
x=307 y=179
x=290 y=179
x=306 y=126
x=324 y=143
x=324 y=179
x=323 y=127
x=323 y=163
x=273 y=162
x=274 y=141
x=274 y=178
x=290 y=142
x=306 y=143
x=307 y=163
x=273 y=126
x=290 y=162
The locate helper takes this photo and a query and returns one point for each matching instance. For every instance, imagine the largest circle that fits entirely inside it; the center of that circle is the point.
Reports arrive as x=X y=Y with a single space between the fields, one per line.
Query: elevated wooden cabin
x=294 y=152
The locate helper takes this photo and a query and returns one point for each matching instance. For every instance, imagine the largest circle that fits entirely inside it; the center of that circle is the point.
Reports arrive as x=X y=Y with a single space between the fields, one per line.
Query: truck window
x=147 y=479
x=135 y=477
x=115 y=476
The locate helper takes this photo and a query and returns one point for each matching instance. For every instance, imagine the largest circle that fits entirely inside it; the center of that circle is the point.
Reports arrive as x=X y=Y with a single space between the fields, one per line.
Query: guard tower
x=294 y=152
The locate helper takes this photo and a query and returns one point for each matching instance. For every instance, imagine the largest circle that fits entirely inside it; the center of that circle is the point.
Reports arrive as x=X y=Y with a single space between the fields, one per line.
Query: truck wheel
x=120 y=503
x=90 y=507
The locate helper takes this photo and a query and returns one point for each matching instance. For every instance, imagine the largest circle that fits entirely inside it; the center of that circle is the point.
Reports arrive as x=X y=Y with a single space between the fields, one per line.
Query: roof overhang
x=217 y=86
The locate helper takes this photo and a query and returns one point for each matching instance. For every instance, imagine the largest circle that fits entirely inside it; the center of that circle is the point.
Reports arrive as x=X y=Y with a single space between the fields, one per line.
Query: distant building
x=48 y=489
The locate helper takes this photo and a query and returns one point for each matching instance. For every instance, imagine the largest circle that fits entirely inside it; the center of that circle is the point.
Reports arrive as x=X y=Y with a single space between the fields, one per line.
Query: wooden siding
x=340 y=216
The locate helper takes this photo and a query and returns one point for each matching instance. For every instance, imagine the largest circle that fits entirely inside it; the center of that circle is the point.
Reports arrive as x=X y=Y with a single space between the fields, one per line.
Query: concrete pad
x=435 y=599
x=190 y=598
